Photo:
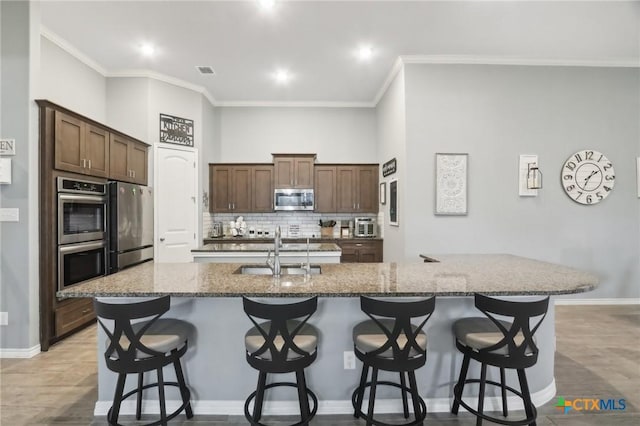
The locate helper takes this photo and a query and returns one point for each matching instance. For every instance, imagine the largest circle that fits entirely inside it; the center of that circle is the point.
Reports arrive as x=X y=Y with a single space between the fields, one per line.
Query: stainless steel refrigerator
x=130 y=225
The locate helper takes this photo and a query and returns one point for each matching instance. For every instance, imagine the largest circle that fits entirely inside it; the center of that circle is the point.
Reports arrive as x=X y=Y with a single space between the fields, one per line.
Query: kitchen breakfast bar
x=208 y=296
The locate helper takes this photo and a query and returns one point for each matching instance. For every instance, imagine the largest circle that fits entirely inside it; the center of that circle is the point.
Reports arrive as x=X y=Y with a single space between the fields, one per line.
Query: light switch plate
x=5 y=170
x=9 y=215
x=522 y=175
x=4 y=318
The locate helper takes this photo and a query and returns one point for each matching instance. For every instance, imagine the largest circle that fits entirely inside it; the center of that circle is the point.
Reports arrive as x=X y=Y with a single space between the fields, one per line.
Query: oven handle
x=97 y=199
x=76 y=248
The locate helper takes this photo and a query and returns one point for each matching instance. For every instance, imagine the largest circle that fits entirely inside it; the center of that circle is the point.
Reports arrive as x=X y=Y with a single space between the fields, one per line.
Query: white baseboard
x=20 y=353
x=236 y=408
x=617 y=301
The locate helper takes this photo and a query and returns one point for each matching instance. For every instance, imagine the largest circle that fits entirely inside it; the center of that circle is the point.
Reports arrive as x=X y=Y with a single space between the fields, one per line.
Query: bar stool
x=285 y=343
x=503 y=343
x=138 y=347
x=390 y=342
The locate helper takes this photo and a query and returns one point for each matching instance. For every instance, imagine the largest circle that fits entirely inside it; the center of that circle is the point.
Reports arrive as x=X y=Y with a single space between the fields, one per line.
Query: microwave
x=293 y=199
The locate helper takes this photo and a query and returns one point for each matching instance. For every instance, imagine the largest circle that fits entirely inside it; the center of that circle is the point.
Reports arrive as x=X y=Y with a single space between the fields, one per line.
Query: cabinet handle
x=84 y=163
x=359 y=245
x=134 y=173
x=85 y=311
x=89 y=163
x=228 y=206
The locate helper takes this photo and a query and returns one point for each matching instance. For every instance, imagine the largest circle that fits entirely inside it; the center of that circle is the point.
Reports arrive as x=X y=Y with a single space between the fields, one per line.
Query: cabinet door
x=345 y=189
x=241 y=189
x=262 y=197
x=137 y=156
x=349 y=253
x=219 y=187
x=284 y=172
x=118 y=158
x=96 y=151
x=303 y=168
x=367 y=184
x=325 y=189
x=69 y=143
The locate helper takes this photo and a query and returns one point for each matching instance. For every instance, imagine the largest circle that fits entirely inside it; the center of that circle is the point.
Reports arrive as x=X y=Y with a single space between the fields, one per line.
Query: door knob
x=162 y=239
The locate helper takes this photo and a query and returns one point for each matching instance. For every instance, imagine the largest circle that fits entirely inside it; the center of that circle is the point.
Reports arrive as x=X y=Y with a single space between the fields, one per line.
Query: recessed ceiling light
x=365 y=53
x=147 y=49
x=282 y=76
x=267 y=4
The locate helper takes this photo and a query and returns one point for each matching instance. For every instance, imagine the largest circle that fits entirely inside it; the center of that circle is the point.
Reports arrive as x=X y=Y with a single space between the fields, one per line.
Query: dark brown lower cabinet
x=360 y=251
x=73 y=313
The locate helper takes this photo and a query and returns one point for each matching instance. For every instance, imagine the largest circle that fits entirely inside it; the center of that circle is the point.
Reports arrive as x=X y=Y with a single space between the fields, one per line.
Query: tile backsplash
x=293 y=224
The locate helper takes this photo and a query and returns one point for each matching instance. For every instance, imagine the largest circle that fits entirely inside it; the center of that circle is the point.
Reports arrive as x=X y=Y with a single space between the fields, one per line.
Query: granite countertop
x=453 y=275
x=230 y=239
x=264 y=247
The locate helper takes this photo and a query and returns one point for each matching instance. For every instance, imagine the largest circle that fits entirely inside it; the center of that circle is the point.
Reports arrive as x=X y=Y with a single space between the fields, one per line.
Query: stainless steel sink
x=285 y=270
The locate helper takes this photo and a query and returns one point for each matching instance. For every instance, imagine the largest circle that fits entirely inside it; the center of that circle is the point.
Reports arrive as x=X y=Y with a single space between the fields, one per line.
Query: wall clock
x=588 y=177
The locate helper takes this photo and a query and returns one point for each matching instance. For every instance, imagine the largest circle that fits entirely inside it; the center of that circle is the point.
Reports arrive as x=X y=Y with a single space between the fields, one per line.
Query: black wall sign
x=176 y=130
x=389 y=167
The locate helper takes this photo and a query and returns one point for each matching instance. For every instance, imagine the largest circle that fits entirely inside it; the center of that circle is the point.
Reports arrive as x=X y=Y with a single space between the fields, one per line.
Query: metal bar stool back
x=504 y=338
x=138 y=340
x=389 y=341
x=283 y=343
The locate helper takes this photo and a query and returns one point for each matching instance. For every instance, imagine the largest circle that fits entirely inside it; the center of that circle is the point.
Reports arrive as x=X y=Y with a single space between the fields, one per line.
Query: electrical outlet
x=4 y=318
x=349 y=360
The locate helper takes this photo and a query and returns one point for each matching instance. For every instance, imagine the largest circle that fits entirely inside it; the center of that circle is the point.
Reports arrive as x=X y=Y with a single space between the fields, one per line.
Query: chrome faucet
x=275 y=263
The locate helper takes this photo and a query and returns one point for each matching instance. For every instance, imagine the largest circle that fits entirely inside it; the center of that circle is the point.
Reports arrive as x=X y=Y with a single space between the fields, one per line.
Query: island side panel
x=220 y=378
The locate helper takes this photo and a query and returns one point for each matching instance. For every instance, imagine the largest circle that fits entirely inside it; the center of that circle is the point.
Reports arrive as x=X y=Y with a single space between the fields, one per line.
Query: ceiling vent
x=206 y=70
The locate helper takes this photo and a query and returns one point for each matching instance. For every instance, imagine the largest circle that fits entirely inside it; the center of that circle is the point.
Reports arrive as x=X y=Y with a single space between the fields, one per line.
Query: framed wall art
x=176 y=130
x=451 y=184
x=393 y=203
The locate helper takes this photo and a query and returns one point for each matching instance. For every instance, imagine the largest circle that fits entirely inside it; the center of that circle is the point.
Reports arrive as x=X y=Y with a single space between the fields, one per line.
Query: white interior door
x=176 y=205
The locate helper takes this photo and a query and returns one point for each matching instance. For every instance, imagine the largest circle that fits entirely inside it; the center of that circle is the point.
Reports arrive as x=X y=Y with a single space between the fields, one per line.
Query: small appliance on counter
x=365 y=227
x=216 y=230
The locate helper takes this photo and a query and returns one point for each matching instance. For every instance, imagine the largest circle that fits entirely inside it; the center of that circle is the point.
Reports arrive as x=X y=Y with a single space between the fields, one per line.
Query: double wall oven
x=82 y=230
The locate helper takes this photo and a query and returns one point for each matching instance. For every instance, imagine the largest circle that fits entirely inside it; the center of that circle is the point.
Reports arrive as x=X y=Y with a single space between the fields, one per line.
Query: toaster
x=364 y=227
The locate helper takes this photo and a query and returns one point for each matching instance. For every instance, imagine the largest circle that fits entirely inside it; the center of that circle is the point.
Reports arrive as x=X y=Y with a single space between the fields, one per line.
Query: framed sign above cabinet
x=176 y=130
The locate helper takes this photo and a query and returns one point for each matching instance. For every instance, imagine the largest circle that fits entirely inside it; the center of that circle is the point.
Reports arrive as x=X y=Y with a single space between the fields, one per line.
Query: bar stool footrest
x=419 y=416
x=312 y=413
x=526 y=421
x=186 y=402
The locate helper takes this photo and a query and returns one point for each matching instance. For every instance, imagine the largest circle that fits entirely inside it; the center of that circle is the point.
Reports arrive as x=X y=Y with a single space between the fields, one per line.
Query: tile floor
x=598 y=356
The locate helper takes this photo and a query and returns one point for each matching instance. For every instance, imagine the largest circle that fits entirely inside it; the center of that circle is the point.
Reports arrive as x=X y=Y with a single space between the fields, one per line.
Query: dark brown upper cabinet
x=325 y=189
x=293 y=170
x=80 y=147
x=262 y=185
x=231 y=188
x=357 y=188
x=127 y=160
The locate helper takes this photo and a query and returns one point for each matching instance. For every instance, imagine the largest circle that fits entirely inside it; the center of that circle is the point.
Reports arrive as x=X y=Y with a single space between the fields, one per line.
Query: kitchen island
x=257 y=252
x=208 y=295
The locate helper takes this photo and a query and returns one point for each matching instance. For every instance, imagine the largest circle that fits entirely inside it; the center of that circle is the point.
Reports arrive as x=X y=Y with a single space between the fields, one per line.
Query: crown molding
x=504 y=60
x=397 y=67
x=72 y=50
x=144 y=73
x=298 y=104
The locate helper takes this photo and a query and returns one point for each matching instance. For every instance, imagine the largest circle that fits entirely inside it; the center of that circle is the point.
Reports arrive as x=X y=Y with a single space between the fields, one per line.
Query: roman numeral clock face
x=588 y=177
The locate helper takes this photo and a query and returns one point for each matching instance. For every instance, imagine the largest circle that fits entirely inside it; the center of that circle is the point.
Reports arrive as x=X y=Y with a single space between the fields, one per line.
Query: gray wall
x=495 y=113
x=391 y=136
x=127 y=102
x=70 y=83
x=18 y=120
x=337 y=135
